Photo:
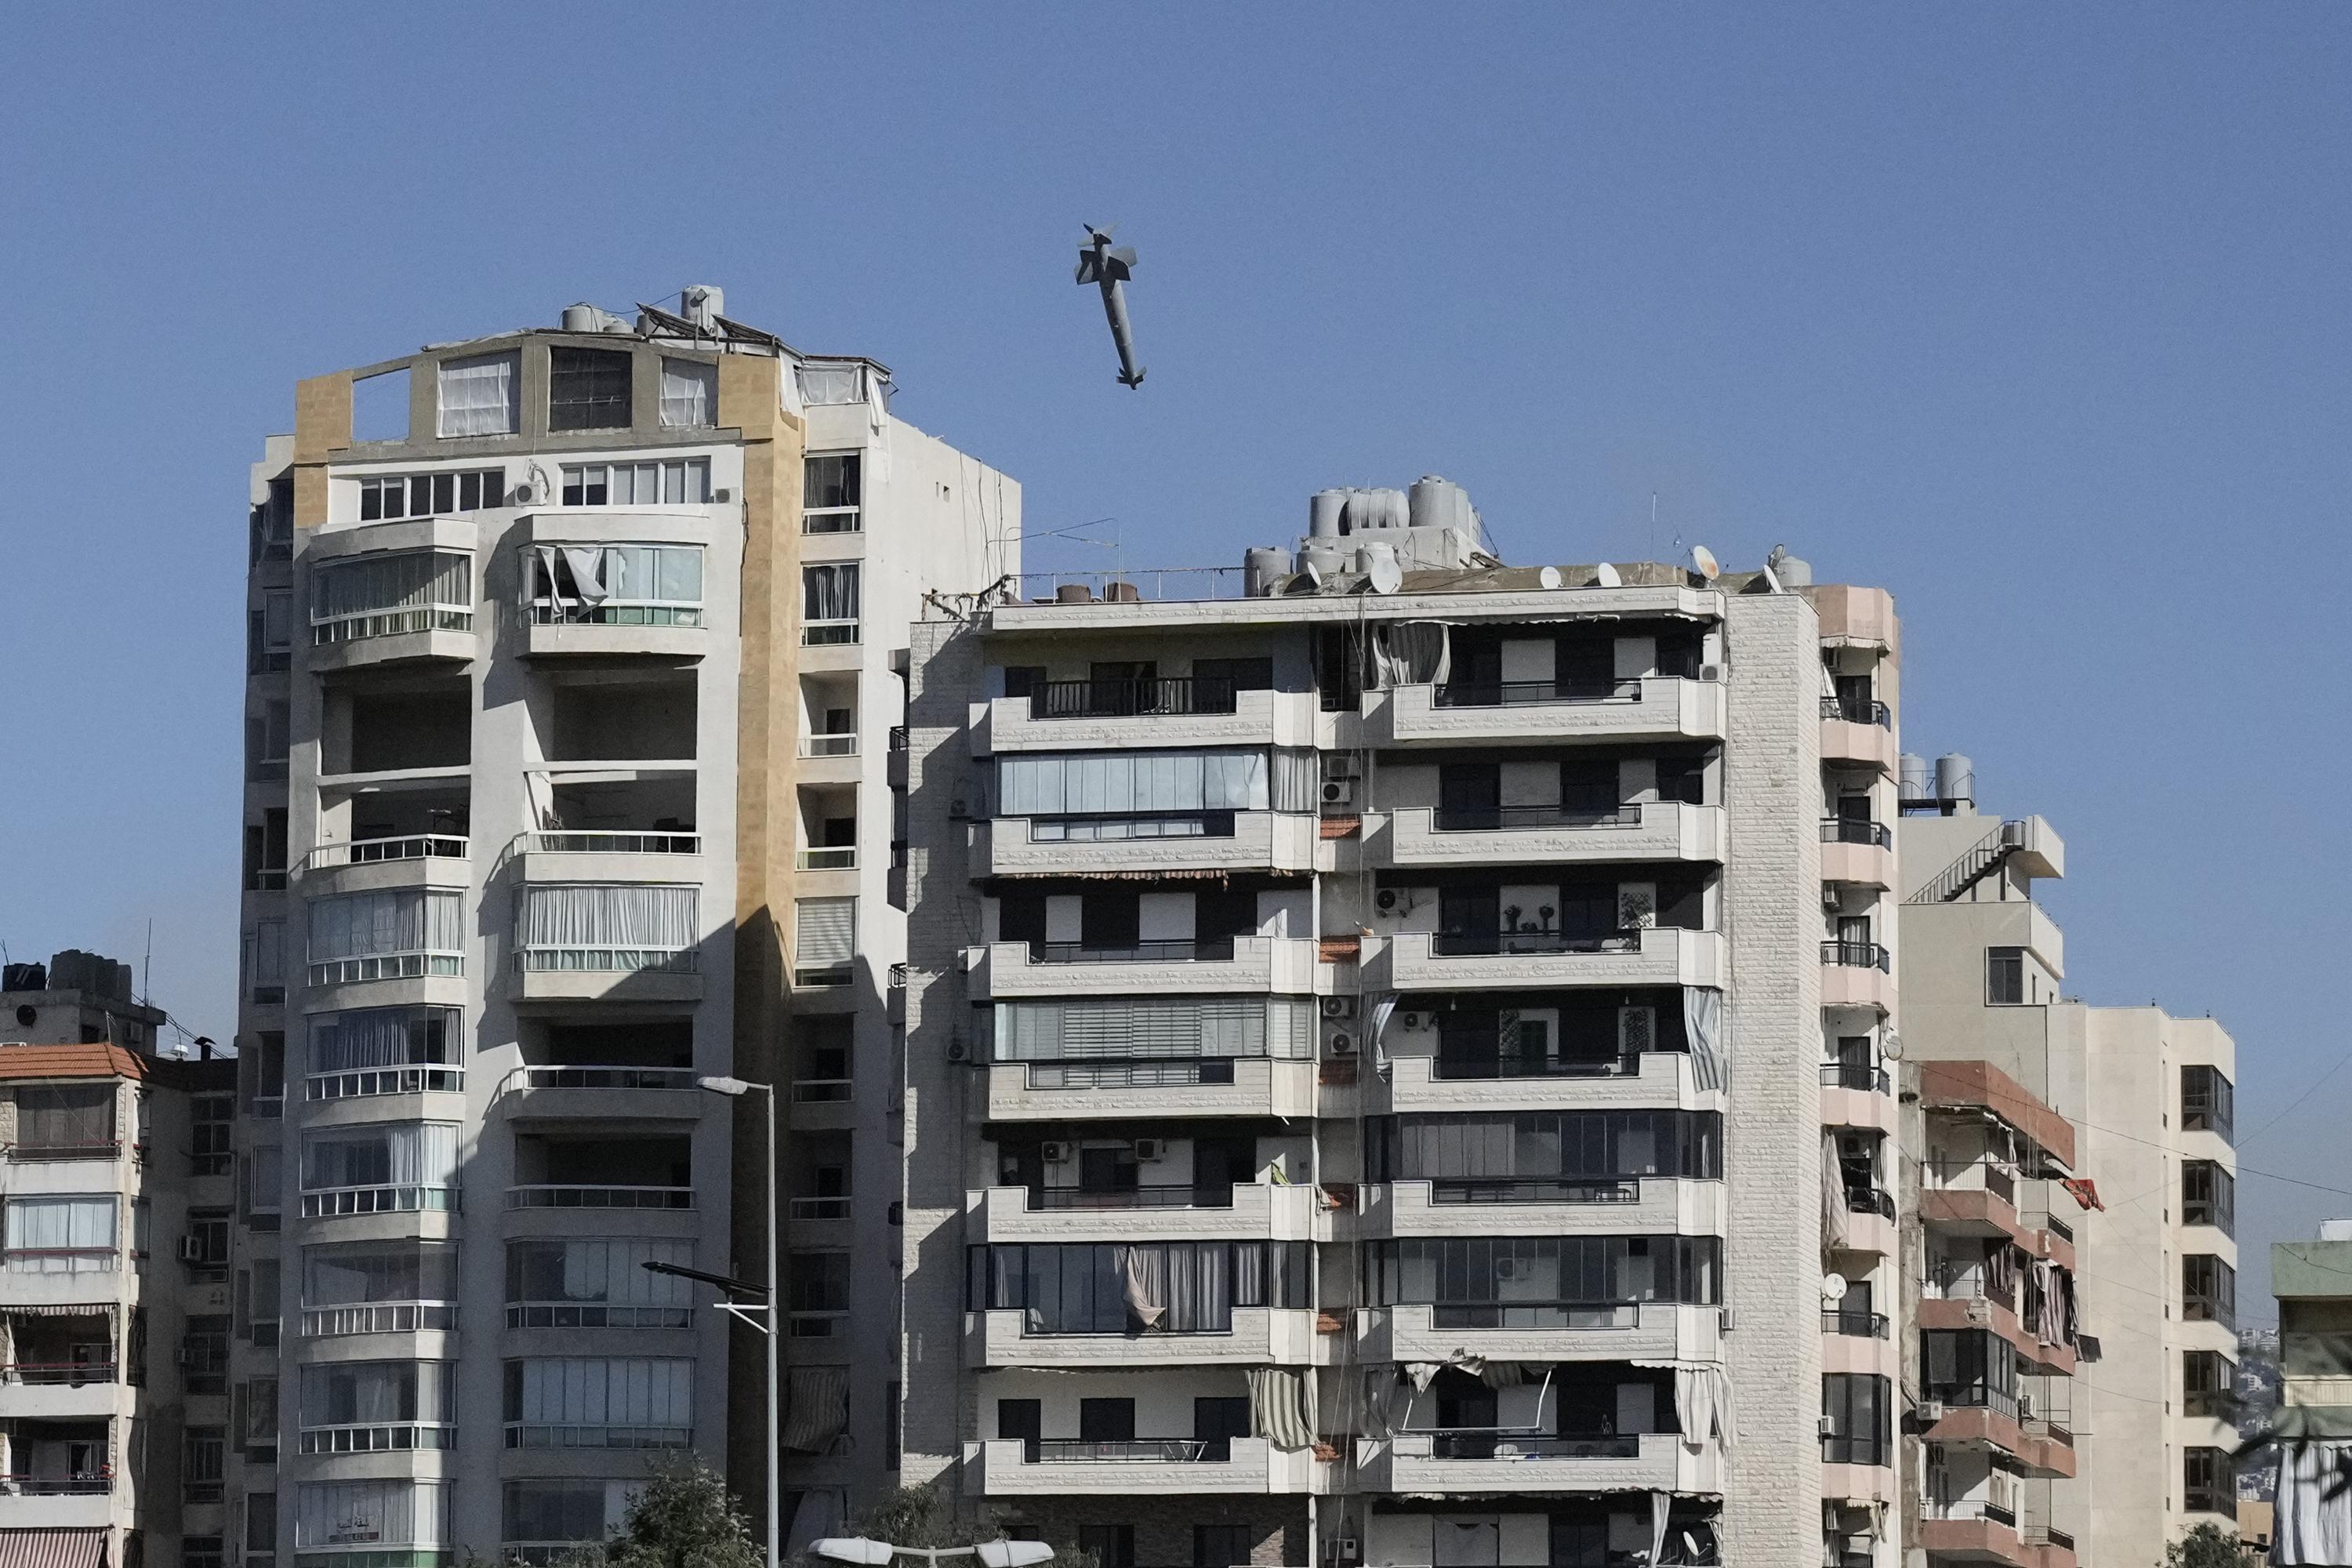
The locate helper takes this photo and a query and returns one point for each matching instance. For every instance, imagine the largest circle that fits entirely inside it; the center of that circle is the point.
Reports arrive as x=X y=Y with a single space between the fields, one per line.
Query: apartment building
x=573 y=656
x=2311 y=1516
x=75 y=999
x=2149 y=1193
x=1377 y=1024
x=114 y=1173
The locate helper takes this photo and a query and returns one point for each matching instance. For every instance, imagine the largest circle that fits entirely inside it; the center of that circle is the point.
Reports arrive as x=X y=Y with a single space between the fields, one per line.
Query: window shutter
x=827 y=932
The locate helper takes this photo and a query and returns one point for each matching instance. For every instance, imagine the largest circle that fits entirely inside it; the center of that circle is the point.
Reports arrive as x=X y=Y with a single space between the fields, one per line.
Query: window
x=2207 y=1381
x=265 y=852
x=1107 y=1546
x=257 y=1290
x=830 y=502
x=608 y=927
x=273 y=524
x=583 y=1402
x=265 y=1182
x=480 y=395
x=380 y=1169
x=265 y=961
x=203 y=1454
x=689 y=394
x=613 y=585
x=391 y=594
x=386 y=497
x=587 y=389
x=819 y=1291
x=825 y=945
x=2209 y=1481
x=200 y=1551
x=1861 y=1425
x=2004 y=976
x=1531 y=1154
x=371 y=1406
x=203 y=1354
x=827 y=385
x=678 y=481
x=597 y=1282
x=2207 y=1101
x=1181 y=1029
x=890 y=1449
x=75 y=1123
x=268 y=736
x=399 y=933
x=378 y=1514
x=829 y=604
x=821 y=1059
x=1564 y=1281
x=2209 y=1196
x=1971 y=1367
x=2209 y=1290
x=261 y=1071
x=384 y=1051
x=212 y=1118
x=1141 y=783
x=1085 y=1287
x=379 y=1287
x=261 y=1519
x=61 y=1235
x=255 y=1419
x=548 y=1512
x=208 y=1231
x=269 y=633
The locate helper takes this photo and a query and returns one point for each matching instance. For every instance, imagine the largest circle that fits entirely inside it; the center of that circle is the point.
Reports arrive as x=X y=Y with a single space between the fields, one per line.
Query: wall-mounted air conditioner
x=1339 y=1006
x=1057 y=1153
x=1151 y=1148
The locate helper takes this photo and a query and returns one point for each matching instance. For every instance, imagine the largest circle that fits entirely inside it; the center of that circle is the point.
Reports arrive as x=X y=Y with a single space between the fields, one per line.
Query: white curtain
x=829 y=593
x=823 y=385
x=606 y=915
x=423 y=1154
x=605 y=1391
x=1836 y=1223
x=362 y=925
x=1703 y=1023
x=1413 y=653
x=689 y=394
x=1281 y=1406
x=825 y=934
x=2313 y=1523
x=587 y=564
x=1297 y=781
x=1154 y=1027
x=382 y=1037
x=402 y=580
x=1703 y=1405
x=816 y=1408
x=54 y=1225
x=478 y=396
x=373 y=1513
x=1110 y=783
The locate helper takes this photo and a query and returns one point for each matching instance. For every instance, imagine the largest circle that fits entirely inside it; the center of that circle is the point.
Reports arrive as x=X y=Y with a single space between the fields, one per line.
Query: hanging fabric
x=1837 y=1227
x=1412 y=653
x=587 y=564
x=1281 y=1406
x=1703 y=1405
x=818 y=1402
x=1702 y=1022
x=1660 y=1502
x=2313 y=1518
x=1145 y=1297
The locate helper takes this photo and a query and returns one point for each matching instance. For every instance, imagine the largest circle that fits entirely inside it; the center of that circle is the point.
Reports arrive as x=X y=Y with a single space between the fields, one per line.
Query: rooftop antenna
x=1108 y=269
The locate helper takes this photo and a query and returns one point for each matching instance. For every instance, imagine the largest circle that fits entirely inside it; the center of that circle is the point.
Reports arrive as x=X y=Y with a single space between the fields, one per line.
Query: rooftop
x=22 y=1062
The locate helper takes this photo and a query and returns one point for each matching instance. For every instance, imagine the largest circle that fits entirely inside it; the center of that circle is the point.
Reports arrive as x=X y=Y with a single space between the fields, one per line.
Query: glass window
x=2209 y=1290
x=2206 y=1380
x=829 y=602
x=829 y=493
x=599 y=1402
x=587 y=389
x=1178 y=1286
x=2209 y=1196
x=1497 y=1151
x=440 y=494
x=2209 y=1481
x=373 y=1515
x=1542 y=1282
x=674 y=481
x=597 y=1282
x=2207 y=1101
x=480 y=395
x=1860 y=1419
x=544 y=1512
x=689 y=394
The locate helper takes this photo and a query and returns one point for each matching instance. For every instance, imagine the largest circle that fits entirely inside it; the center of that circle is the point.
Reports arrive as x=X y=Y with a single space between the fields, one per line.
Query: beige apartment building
x=1395 y=1064
x=114 y=1290
x=575 y=656
x=2152 y=1208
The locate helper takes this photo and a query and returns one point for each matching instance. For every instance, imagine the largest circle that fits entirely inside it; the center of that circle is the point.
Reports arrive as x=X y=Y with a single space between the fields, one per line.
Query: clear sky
x=2036 y=315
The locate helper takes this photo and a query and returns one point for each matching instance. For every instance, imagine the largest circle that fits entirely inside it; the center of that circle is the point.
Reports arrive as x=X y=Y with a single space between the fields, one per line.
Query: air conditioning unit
x=1057 y=1153
x=1151 y=1148
x=1507 y=1268
x=1826 y=1425
x=192 y=1249
x=1389 y=901
x=1341 y=1043
x=1831 y=897
x=722 y=495
x=1637 y=1030
x=1980 y=1309
x=1340 y=765
x=959 y=1049
x=1710 y=672
x=1338 y=792
x=2025 y=1408
x=1339 y=1006
x=1415 y=1020
x=526 y=494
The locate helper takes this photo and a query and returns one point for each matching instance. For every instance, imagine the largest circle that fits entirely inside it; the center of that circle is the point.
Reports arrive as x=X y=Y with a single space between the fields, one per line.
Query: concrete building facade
x=1394 y=1060
x=572 y=667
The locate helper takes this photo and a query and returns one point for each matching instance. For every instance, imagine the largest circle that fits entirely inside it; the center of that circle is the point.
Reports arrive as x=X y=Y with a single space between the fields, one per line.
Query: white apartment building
x=1395 y=1060
x=114 y=1300
x=2152 y=1220
x=573 y=662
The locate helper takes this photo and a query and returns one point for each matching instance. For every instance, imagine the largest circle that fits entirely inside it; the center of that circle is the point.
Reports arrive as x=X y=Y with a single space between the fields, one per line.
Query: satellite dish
x=1605 y=575
x=1549 y=577
x=1832 y=1287
x=1702 y=562
x=1772 y=580
x=1890 y=1046
x=1387 y=576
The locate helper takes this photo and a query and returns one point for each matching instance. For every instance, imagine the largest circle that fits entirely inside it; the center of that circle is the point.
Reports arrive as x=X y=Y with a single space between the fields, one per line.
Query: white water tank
x=1438 y=503
x=1264 y=569
x=582 y=318
x=1328 y=559
x=1372 y=554
x=1956 y=778
x=1917 y=780
x=1324 y=510
x=705 y=303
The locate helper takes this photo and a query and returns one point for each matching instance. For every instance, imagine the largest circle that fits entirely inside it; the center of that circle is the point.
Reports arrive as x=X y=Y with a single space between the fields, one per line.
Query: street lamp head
x=1013 y=1554
x=852 y=1548
x=729 y=1086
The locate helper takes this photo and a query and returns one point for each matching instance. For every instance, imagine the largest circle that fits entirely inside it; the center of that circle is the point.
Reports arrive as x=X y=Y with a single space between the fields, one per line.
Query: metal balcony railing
x=536 y=1434
x=1466 y=1066
x=1515 y=943
x=1516 y=1446
x=363 y=1081
x=1857 y=955
x=568 y=842
x=1535 y=1189
x=1172 y=1195
x=598 y=1077
x=1503 y=818
x=1854 y=1325
x=572 y=1195
x=1132 y=1074
x=1857 y=1075
x=1523 y=693
x=1865 y=710
x=1185 y=949
x=49 y=1373
x=101 y=1149
x=375 y=851
x=378 y=1437
x=1123 y=826
x=336 y=1203
x=1856 y=830
x=1127 y=1450
x=378 y=1318
x=822 y=1091
x=1168 y=696
x=596 y=1315
x=1532 y=1314
x=56 y=1486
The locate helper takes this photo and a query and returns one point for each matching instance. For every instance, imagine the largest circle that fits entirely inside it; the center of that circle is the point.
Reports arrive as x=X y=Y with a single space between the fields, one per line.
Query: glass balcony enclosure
x=612 y=584
x=391 y=594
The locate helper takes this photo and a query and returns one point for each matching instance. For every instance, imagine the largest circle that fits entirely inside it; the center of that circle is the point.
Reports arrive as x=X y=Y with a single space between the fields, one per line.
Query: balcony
x=1957 y=1310
x=1247 y=1211
x=1418 y=1080
x=594 y=597
x=1418 y=837
x=1859 y=853
x=1975 y=1419
x=61 y=1388
x=1854 y=1325
x=1249 y=965
x=1489 y=1462
x=601 y=1092
x=1543 y=1206
x=1247 y=1467
x=1858 y=732
x=1967 y=1529
x=1268 y=841
x=1540 y=1330
x=400 y=592
x=1536 y=960
x=1112 y=715
x=578 y=1196
x=1281 y=1336
x=410 y=859
x=827 y=858
x=1856 y=1094
x=1197 y=1086
x=1653 y=708
x=343 y=1203
x=1857 y=975
x=1979 y=1197
x=1870 y=1223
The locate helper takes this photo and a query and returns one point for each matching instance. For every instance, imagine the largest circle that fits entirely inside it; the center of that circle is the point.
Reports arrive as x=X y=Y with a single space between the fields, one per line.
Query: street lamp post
x=772 y=1322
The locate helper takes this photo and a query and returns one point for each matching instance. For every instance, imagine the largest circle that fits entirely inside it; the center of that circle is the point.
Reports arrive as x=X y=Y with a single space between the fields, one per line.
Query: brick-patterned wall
x=1772 y=1131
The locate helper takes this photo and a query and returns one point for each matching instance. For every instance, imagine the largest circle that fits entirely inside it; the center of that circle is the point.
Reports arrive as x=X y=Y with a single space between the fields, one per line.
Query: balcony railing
x=68 y=1374
x=378 y=1318
x=1967 y=1509
x=1856 y=956
x=359 y=1082
x=357 y=626
x=536 y=1434
x=1515 y=943
x=59 y=1260
x=823 y=1090
x=1522 y=693
x=829 y=745
x=336 y=1203
x=1976 y=1396
x=565 y=842
x=818 y=1209
x=1172 y=696
x=1169 y=1195
x=557 y=1077
x=1502 y=818
x=2048 y=1535
x=413 y=965
x=1865 y=710
x=105 y=1149
x=1973 y=1176
x=1857 y=1075
x=611 y=960
x=2052 y=1223
x=1183 y=950
x=378 y=1437
x=2052 y=1431
x=596 y=1315
x=1132 y=1074
x=1127 y=1450
x=1532 y=1314
x=1535 y=1189
x=829 y=857
x=898 y=737
x=828 y=634
x=57 y=1486
x=1854 y=830
x=1870 y=1200
x=569 y=1196
x=1854 y=1325
x=1513 y=1445
x=614 y=612
x=375 y=851
x=1469 y=1067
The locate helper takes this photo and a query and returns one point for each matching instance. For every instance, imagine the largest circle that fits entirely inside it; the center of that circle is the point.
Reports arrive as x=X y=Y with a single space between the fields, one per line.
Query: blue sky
x=2035 y=315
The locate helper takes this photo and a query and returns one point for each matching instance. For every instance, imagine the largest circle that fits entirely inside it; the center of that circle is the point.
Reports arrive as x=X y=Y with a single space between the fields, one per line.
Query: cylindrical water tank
x=1371 y=554
x=1438 y=502
x=1917 y=781
x=1396 y=509
x=1956 y=778
x=1263 y=571
x=1328 y=560
x=1794 y=573
x=581 y=318
x=1323 y=511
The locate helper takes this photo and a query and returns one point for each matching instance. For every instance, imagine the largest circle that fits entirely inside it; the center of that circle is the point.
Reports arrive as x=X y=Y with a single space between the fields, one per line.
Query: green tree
x=2208 y=1546
x=683 y=1517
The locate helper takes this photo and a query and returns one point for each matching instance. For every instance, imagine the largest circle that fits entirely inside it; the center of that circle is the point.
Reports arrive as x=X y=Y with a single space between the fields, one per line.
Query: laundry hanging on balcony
x=1412 y=653
x=1703 y=1406
x=1837 y=1227
x=1281 y=1406
x=1703 y=1024
x=818 y=1402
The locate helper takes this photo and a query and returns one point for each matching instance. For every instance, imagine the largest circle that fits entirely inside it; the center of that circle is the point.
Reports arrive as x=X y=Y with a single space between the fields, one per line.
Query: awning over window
x=52 y=1549
x=54 y=1309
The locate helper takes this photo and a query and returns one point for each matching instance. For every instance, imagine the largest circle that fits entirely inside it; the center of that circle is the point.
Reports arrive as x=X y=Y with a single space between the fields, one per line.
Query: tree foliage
x=2209 y=1545
x=684 y=1517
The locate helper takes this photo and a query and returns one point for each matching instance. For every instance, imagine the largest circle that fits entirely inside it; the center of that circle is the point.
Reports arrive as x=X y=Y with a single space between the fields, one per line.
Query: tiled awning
x=52 y=1549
